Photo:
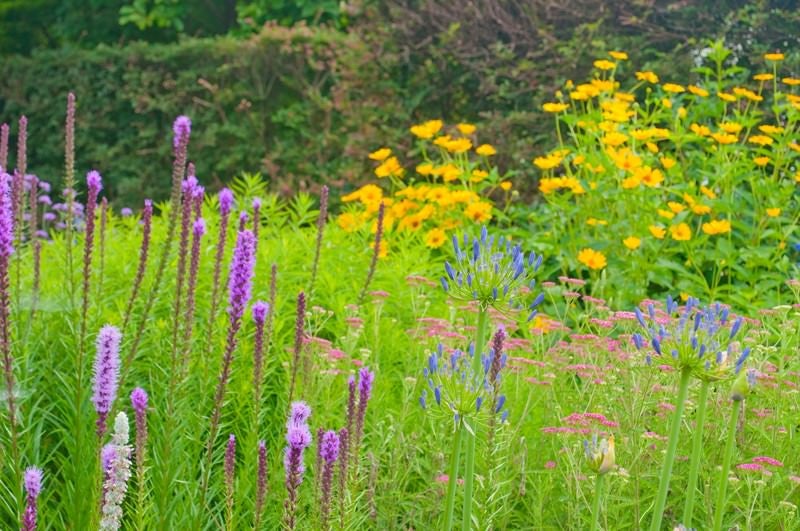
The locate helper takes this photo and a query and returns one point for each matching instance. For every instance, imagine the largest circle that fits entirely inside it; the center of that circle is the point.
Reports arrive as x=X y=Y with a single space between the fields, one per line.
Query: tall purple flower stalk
x=365 y=379
x=22 y=146
x=299 y=335
x=139 y=402
x=261 y=484
x=240 y=283
x=230 y=464
x=198 y=230
x=182 y=129
x=225 y=197
x=298 y=438
x=106 y=374
x=329 y=449
x=94 y=183
x=321 y=219
x=4 y=147
x=6 y=250
x=189 y=185
x=33 y=486
x=33 y=224
x=260 y=310
x=344 y=438
x=147 y=222
x=69 y=184
x=350 y=414
x=376 y=251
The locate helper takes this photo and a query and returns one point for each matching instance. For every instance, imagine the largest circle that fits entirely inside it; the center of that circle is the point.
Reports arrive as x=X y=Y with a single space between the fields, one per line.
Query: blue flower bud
x=500 y=403
x=484 y=234
x=444 y=284
x=438 y=396
x=504 y=416
x=656 y=345
x=532 y=315
x=638 y=341
x=478 y=403
x=640 y=317
x=736 y=326
x=450 y=271
x=537 y=301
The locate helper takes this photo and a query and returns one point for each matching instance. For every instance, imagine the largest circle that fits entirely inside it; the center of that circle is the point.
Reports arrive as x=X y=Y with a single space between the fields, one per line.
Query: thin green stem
x=669 y=459
x=697 y=447
x=452 y=479
x=598 y=493
x=722 y=484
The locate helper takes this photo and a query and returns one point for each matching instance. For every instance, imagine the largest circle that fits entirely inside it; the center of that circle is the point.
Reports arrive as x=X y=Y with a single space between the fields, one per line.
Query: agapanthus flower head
x=491 y=271
x=225 y=197
x=454 y=385
x=700 y=339
x=600 y=454
x=182 y=127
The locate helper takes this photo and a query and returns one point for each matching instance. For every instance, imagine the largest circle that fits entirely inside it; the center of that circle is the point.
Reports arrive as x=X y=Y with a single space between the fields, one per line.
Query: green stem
x=669 y=459
x=722 y=485
x=598 y=488
x=452 y=479
x=469 y=472
x=694 y=464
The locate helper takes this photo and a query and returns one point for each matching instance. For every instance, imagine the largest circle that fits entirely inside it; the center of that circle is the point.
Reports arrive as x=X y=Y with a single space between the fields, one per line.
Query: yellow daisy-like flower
x=657 y=232
x=478 y=176
x=631 y=182
x=593 y=222
x=348 y=222
x=717 y=226
x=665 y=213
x=673 y=87
x=791 y=81
x=763 y=77
x=479 y=211
x=650 y=177
x=390 y=168
x=761 y=140
x=761 y=161
x=774 y=56
x=427 y=129
x=505 y=186
x=425 y=169
x=604 y=64
x=466 y=129
x=724 y=96
x=698 y=91
x=708 y=192
x=681 y=232
x=701 y=209
x=794 y=146
x=486 y=150
x=725 y=138
x=666 y=102
x=667 y=162
x=649 y=77
x=770 y=129
x=731 y=127
x=700 y=130
x=619 y=56
x=773 y=212
x=435 y=238
x=380 y=154
x=592 y=259
x=676 y=207
x=632 y=242
x=554 y=107
x=614 y=139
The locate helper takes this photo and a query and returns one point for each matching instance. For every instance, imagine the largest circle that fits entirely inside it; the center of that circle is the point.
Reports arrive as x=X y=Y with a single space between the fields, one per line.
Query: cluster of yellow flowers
x=450 y=186
x=641 y=156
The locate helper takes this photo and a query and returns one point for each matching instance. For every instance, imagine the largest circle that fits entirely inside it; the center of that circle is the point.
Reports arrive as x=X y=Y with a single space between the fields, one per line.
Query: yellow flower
x=505 y=185
x=667 y=162
x=650 y=77
x=369 y=193
x=761 y=140
x=381 y=154
x=402 y=208
x=700 y=130
x=708 y=192
x=666 y=102
x=774 y=56
x=761 y=161
x=427 y=129
x=619 y=56
x=717 y=226
x=478 y=176
x=631 y=182
x=548 y=162
x=425 y=169
x=791 y=81
x=724 y=96
x=652 y=147
x=604 y=64
x=555 y=107
x=466 y=129
x=770 y=129
x=650 y=177
x=411 y=222
x=390 y=167
x=435 y=238
x=614 y=139
x=763 y=77
x=383 y=250
x=592 y=259
x=749 y=94
x=698 y=91
x=657 y=231
x=731 y=127
x=672 y=87
x=593 y=222
x=448 y=172
x=625 y=159
x=486 y=150
x=724 y=138
x=348 y=222
x=701 y=209
x=457 y=145
x=681 y=232
x=773 y=212
x=479 y=211
x=665 y=213
x=794 y=146
x=632 y=242
x=676 y=207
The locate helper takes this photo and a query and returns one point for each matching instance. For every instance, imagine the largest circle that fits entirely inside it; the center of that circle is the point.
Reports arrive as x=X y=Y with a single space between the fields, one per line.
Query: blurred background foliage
x=302 y=90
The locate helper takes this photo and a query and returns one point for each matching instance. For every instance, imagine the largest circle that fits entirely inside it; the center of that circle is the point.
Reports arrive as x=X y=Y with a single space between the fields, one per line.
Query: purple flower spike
x=139 y=400
x=330 y=446
x=94 y=182
x=260 y=310
x=241 y=275
x=298 y=438
x=329 y=451
x=106 y=374
x=125 y=212
x=261 y=483
x=6 y=218
x=33 y=486
x=365 y=379
x=182 y=128
x=298 y=414
x=230 y=463
x=225 y=197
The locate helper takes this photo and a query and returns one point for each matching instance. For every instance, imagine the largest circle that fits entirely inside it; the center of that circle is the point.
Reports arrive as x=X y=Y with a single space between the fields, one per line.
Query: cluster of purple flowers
x=298 y=438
